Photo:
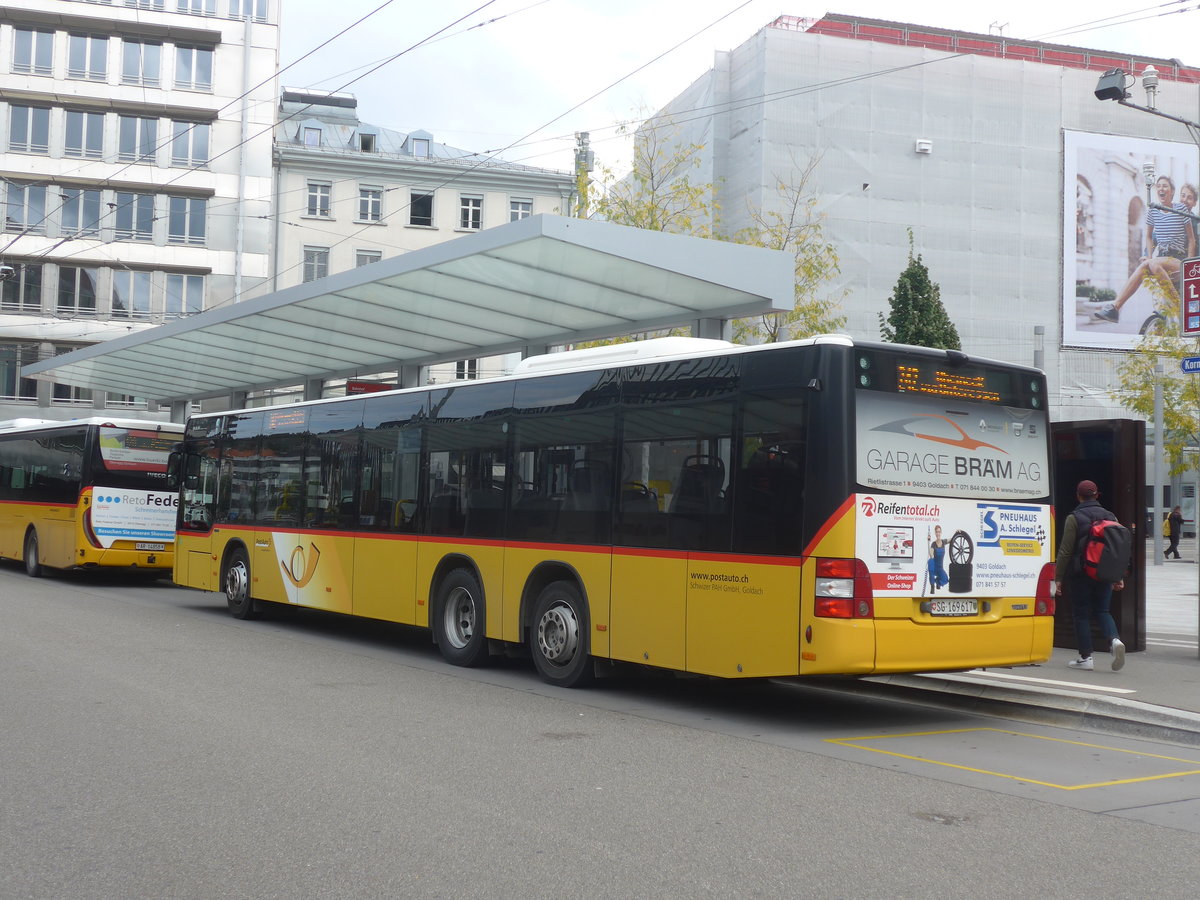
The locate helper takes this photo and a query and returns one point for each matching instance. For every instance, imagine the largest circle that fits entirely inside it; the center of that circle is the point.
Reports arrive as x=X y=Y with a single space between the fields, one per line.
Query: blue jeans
x=1090 y=600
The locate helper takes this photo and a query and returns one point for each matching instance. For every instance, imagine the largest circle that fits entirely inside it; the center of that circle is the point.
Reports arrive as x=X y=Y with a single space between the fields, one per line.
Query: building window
x=134 y=216
x=366 y=257
x=312 y=137
x=420 y=147
x=420 y=209
x=366 y=143
x=193 y=68
x=130 y=294
x=12 y=385
x=80 y=214
x=316 y=263
x=77 y=290
x=185 y=295
x=26 y=208
x=87 y=57
x=519 y=209
x=318 y=199
x=29 y=129
x=466 y=369
x=370 y=204
x=141 y=63
x=23 y=292
x=137 y=139
x=240 y=9
x=197 y=7
x=145 y=4
x=185 y=219
x=33 y=52
x=470 y=213
x=84 y=134
x=189 y=143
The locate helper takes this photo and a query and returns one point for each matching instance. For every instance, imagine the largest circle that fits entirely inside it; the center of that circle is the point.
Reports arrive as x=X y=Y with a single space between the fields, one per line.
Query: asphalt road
x=153 y=746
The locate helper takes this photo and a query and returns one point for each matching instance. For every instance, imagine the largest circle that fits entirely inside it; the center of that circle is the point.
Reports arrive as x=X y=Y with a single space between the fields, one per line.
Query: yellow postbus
x=813 y=507
x=87 y=493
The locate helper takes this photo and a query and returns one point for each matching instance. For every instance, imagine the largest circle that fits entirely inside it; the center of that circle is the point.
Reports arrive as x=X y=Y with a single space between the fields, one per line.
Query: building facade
x=349 y=193
x=1025 y=194
x=135 y=165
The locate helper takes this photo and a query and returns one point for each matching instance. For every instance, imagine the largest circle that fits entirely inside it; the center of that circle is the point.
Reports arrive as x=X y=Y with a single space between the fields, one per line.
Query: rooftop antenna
x=997 y=28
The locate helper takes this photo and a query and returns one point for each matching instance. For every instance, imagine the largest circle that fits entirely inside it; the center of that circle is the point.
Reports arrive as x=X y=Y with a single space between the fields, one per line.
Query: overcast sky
x=515 y=77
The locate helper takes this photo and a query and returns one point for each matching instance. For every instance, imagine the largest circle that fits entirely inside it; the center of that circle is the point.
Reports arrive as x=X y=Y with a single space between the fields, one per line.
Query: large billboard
x=1117 y=281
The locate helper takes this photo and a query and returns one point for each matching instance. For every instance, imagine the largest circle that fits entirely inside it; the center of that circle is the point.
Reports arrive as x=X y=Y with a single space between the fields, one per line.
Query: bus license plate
x=145 y=546
x=953 y=607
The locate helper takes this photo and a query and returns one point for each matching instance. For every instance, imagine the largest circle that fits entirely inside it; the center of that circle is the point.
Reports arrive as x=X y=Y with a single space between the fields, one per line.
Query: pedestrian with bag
x=1174 y=530
x=1090 y=597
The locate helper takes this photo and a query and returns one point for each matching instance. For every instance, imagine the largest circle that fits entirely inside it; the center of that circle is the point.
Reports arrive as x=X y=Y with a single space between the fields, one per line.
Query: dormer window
x=366 y=143
x=312 y=137
x=420 y=147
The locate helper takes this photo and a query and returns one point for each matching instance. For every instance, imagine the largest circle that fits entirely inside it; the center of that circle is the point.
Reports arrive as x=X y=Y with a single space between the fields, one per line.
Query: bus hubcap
x=558 y=634
x=460 y=617
x=235 y=583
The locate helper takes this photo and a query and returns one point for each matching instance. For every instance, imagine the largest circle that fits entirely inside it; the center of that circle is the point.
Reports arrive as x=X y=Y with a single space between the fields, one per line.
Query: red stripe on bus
x=841 y=511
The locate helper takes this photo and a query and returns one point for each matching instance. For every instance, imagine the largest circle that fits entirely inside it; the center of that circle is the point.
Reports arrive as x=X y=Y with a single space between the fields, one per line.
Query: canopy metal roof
x=541 y=281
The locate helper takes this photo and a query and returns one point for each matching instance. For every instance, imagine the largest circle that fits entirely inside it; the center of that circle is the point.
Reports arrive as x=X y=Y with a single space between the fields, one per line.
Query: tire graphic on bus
x=962 y=552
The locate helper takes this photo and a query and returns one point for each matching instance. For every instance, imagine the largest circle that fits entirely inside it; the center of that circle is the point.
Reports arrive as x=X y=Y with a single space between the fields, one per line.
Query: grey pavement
x=1156 y=694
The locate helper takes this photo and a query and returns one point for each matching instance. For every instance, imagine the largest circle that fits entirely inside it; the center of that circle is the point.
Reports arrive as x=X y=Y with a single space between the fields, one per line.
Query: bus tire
x=558 y=638
x=236 y=580
x=459 y=620
x=33 y=565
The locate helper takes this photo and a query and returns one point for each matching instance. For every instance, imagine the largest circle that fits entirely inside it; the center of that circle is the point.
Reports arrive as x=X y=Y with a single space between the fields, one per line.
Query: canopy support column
x=313 y=387
x=720 y=329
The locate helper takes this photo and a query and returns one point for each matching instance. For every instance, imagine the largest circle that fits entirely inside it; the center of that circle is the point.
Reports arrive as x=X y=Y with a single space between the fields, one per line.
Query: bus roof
x=15 y=426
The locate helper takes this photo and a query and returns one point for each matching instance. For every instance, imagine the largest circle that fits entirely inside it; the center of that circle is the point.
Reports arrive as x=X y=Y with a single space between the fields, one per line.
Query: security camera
x=7 y=273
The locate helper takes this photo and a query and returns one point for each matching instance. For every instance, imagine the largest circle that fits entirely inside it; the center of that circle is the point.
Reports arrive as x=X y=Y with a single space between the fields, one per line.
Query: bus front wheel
x=558 y=639
x=33 y=566
x=237 y=586
x=459 y=620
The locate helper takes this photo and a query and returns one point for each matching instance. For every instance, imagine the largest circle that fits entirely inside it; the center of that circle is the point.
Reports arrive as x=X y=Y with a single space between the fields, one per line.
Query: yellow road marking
x=852 y=742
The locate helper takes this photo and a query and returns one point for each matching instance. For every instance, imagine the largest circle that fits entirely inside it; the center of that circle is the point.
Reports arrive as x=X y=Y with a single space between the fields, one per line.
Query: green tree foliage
x=917 y=315
x=659 y=195
x=1181 y=393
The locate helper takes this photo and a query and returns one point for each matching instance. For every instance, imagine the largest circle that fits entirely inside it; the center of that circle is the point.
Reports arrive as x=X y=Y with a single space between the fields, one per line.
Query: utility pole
x=585 y=161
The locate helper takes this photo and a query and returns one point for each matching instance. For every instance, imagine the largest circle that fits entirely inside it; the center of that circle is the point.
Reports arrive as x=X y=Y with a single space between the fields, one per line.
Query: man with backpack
x=1088 y=586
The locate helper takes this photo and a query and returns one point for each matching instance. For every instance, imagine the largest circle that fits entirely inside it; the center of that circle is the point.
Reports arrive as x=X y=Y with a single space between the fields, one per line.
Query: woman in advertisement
x=1170 y=239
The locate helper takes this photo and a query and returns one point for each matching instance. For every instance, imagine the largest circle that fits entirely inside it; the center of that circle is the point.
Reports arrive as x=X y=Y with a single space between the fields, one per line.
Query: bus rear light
x=843 y=590
x=1044 y=603
x=88 y=532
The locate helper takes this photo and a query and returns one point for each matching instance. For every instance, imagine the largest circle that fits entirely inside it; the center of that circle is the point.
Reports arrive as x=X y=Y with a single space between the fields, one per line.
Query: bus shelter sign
x=939 y=547
x=1190 y=283
x=120 y=514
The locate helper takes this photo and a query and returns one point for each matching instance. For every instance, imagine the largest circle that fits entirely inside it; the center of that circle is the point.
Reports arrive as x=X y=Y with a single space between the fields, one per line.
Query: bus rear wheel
x=558 y=638
x=237 y=586
x=33 y=566
x=459 y=620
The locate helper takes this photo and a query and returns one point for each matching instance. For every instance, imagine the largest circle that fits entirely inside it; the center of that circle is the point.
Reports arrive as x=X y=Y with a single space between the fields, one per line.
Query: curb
x=1038 y=705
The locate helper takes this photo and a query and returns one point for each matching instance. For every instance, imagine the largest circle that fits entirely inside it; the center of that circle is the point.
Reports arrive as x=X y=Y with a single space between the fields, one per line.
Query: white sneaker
x=1086 y=664
x=1118 y=652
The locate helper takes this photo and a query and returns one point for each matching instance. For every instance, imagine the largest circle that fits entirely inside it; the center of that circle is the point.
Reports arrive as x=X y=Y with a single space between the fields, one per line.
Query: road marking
x=852 y=742
x=985 y=673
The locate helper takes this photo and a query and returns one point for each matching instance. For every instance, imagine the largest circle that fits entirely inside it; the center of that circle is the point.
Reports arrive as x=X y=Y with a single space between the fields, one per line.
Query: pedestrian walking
x=1089 y=598
x=1175 y=524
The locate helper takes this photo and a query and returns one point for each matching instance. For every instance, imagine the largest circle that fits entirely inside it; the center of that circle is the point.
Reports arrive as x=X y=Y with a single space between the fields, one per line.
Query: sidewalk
x=1156 y=694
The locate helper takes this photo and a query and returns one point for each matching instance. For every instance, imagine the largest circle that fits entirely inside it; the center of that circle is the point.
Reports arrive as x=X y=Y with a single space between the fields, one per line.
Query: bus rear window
x=131 y=450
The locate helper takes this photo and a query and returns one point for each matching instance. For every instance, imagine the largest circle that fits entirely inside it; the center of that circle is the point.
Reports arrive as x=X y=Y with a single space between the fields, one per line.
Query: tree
x=659 y=195
x=1137 y=375
x=917 y=315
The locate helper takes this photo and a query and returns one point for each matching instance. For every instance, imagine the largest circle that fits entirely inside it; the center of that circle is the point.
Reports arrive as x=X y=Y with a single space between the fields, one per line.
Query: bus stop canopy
x=522 y=287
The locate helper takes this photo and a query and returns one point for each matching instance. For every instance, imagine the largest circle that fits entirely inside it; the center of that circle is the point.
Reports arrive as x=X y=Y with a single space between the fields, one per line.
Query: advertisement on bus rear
x=145 y=517
x=965 y=449
x=948 y=548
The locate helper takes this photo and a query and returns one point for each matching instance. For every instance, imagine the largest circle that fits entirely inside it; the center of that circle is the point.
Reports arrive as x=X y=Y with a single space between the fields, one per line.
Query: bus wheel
x=459 y=620
x=237 y=586
x=558 y=639
x=33 y=567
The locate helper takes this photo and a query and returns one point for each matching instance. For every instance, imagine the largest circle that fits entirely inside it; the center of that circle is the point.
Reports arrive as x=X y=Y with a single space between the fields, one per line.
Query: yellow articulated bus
x=814 y=507
x=87 y=493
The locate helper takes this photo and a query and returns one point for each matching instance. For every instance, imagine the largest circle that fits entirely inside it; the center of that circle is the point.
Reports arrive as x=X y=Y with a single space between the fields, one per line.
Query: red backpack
x=1105 y=546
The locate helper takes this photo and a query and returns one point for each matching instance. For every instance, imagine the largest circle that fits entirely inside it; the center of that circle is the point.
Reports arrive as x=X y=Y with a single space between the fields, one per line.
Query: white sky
x=515 y=67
